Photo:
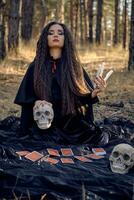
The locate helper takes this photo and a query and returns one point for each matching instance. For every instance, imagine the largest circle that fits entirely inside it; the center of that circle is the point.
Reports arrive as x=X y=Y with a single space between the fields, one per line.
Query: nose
x=55 y=34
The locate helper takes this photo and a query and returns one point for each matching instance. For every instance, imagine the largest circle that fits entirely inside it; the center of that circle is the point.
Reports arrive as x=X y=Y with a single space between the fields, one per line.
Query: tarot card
x=108 y=75
x=22 y=153
x=67 y=152
x=94 y=156
x=83 y=159
x=67 y=161
x=100 y=70
x=99 y=151
x=52 y=160
x=53 y=152
x=34 y=156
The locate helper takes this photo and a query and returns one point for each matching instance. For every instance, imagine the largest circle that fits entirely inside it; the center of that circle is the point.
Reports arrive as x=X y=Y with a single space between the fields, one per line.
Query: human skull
x=122 y=158
x=43 y=114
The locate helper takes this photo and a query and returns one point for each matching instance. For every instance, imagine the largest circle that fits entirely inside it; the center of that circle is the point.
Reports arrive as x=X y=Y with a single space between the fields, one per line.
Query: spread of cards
x=63 y=155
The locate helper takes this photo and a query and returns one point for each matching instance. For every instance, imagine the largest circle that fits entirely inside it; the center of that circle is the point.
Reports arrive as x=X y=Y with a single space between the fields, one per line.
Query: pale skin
x=56 y=43
x=55 y=40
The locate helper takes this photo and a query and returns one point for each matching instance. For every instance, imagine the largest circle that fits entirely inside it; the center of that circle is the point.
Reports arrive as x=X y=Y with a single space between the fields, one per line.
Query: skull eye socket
x=47 y=113
x=126 y=157
x=38 y=114
x=115 y=154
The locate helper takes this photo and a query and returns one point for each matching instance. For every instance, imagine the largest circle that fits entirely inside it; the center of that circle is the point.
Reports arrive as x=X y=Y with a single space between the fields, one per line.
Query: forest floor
x=117 y=100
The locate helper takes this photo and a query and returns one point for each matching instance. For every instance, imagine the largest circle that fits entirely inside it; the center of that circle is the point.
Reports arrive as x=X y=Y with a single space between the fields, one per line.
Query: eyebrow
x=59 y=30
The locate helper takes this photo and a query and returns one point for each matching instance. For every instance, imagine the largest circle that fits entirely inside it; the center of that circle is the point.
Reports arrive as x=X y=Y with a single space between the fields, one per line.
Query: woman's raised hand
x=100 y=82
x=100 y=85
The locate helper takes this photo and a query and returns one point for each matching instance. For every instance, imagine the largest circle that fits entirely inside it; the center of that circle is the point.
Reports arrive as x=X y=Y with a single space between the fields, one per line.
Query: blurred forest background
x=103 y=31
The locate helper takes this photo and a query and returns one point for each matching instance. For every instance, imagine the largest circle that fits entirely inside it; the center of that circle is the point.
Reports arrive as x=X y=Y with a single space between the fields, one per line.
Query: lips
x=55 y=40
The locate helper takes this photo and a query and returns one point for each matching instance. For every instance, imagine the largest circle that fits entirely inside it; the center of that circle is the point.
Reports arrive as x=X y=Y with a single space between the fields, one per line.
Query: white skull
x=122 y=158
x=43 y=114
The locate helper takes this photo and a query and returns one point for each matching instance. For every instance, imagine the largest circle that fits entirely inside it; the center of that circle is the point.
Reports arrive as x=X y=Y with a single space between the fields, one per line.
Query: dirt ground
x=117 y=100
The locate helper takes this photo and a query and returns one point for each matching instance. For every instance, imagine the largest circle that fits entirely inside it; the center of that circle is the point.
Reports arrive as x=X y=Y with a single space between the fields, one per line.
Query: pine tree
x=27 y=11
x=13 y=24
x=98 y=21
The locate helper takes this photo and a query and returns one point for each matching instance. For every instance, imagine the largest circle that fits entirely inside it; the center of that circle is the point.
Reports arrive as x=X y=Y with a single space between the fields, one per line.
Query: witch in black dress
x=57 y=77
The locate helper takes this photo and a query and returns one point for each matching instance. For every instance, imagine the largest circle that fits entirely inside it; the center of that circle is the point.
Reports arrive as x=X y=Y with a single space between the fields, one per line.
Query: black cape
x=69 y=129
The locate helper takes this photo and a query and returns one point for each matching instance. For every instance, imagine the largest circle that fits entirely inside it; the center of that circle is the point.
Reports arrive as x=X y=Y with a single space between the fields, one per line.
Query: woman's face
x=55 y=36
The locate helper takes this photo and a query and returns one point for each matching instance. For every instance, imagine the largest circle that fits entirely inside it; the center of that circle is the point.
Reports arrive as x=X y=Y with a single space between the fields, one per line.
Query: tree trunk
x=2 y=42
x=105 y=29
x=2 y=32
x=124 y=24
x=98 y=21
x=60 y=11
x=76 y=9
x=90 y=16
x=81 y=3
x=27 y=11
x=116 y=25
x=131 y=45
x=71 y=15
x=85 y=20
x=13 y=24
x=44 y=13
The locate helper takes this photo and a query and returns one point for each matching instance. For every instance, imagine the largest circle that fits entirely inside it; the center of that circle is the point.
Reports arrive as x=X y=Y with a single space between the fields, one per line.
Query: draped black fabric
x=22 y=177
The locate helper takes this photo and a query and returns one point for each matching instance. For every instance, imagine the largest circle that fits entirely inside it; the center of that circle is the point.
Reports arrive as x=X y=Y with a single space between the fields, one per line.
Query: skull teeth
x=121 y=167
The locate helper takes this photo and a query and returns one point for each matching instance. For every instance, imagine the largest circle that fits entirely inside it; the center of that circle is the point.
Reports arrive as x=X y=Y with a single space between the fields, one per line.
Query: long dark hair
x=72 y=79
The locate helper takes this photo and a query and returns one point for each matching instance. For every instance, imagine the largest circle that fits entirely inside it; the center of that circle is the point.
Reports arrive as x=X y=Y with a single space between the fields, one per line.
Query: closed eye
x=60 y=32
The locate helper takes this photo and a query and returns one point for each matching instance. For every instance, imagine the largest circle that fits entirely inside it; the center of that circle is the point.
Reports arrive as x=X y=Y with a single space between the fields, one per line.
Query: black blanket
x=80 y=180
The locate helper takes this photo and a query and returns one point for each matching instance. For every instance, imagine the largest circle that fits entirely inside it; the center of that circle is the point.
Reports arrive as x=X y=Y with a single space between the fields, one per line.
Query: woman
x=56 y=76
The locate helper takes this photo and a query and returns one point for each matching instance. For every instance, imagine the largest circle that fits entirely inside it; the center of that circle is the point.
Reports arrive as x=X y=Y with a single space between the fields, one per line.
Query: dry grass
x=90 y=57
x=120 y=86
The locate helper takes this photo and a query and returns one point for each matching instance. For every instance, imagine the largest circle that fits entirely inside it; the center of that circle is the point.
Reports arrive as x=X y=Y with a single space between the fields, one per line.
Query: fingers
x=100 y=78
x=100 y=83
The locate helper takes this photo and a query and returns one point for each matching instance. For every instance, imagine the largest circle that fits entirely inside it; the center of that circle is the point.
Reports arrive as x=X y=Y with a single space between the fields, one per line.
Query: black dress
x=68 y=129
